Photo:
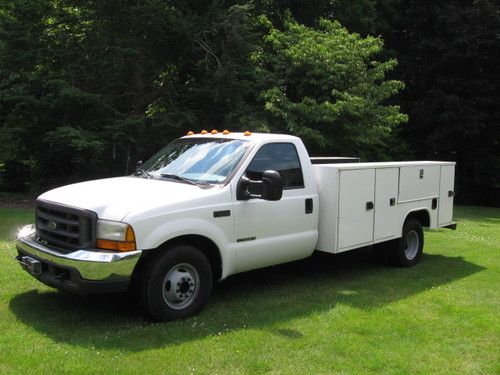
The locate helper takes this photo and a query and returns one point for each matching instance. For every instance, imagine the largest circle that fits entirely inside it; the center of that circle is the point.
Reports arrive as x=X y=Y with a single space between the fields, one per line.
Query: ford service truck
x=211 y=205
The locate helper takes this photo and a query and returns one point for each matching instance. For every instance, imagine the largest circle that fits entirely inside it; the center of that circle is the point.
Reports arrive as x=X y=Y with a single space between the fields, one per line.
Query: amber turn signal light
x=115 y=245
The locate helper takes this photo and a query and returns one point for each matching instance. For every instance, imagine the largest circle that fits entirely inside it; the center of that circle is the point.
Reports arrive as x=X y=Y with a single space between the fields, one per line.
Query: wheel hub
x=411 y=245
x=180 y=286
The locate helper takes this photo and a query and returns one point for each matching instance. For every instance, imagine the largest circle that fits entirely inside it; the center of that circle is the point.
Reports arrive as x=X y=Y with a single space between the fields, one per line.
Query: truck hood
x=115 y=198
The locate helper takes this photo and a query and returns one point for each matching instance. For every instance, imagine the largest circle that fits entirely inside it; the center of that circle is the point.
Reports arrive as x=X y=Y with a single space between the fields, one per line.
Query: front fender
x=171 y=229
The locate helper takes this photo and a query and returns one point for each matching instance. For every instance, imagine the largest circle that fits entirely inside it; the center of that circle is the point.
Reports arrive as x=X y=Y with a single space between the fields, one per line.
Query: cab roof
x=253 y=137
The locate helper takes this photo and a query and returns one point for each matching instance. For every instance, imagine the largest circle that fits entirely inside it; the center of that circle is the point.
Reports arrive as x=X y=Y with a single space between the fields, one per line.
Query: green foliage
x=328 y=88
x=448 y=55
x=89 y=85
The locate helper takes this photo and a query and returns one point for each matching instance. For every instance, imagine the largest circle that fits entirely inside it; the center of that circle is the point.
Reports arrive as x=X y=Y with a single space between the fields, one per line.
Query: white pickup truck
x=214 y=204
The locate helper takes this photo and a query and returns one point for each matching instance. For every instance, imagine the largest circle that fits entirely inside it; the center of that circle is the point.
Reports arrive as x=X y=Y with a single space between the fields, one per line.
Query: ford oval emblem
x=51 y=225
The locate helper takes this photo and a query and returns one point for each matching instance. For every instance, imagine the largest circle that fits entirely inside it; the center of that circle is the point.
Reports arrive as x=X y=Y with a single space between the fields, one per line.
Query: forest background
x=89 y=87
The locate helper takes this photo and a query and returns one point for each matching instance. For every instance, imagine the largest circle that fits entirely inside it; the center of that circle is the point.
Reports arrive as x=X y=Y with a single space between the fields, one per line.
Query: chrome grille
x=65 y=227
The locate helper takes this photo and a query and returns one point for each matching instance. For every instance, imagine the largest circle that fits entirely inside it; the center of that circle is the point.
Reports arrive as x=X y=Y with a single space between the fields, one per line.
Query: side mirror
x=272 y=187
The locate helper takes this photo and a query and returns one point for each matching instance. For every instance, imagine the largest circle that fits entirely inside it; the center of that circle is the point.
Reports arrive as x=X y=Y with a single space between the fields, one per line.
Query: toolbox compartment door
x=418 y=183
x=446 y=194
x=386 y=210
x=356 y=208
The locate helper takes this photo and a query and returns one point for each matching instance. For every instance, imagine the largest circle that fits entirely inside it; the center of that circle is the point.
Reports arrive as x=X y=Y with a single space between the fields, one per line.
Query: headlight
x=113 y=235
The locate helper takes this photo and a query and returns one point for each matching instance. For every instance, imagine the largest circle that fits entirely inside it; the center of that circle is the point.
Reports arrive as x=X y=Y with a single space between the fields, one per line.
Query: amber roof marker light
x=226 y=132
x=190 y=133
x=203 y=132
x=214 y=131
x=247 y=133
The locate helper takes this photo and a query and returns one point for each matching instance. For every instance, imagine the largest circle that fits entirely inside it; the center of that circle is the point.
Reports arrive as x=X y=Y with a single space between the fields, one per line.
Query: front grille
x=65 y=227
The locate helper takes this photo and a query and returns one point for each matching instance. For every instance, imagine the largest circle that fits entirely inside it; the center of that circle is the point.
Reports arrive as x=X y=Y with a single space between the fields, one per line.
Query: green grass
x=328 y=314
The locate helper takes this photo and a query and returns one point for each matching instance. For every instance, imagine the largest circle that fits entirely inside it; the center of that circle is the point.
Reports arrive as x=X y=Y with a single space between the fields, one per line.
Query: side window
x=280 y=157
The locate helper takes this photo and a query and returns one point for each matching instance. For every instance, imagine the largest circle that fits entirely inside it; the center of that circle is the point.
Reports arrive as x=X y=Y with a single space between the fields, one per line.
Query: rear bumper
x=80 y=271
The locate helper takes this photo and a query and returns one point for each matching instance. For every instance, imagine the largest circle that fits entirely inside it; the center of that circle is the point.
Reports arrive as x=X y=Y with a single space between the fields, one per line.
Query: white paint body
x=345 y=223
x=279 y=231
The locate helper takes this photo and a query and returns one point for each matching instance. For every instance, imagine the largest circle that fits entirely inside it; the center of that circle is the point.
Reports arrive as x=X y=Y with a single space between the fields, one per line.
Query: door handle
x=369 y=205
x=309 y=206
x=392 y=201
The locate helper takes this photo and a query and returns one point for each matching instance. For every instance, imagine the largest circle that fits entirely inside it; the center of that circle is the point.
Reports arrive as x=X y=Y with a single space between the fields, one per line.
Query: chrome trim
x=91 y=264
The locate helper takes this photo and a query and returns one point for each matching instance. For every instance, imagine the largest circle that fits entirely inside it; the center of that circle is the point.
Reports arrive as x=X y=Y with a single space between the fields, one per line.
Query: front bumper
x=80 y=271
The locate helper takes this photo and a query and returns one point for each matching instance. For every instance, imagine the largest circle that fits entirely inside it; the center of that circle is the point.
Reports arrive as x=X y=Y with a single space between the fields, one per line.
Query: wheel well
x=421 y=215
x=204 y=244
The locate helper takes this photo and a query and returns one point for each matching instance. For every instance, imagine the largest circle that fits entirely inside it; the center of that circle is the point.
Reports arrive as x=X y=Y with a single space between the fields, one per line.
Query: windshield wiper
x=180 y=178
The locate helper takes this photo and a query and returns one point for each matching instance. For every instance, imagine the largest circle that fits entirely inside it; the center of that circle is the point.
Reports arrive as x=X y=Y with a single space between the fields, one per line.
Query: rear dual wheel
x=407 y=250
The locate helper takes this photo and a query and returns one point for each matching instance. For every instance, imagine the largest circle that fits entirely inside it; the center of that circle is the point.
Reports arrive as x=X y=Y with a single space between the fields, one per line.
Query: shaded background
x=87 y=88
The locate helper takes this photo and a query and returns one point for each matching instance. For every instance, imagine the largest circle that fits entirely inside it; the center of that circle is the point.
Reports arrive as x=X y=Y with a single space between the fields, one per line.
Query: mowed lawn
x=328 y=314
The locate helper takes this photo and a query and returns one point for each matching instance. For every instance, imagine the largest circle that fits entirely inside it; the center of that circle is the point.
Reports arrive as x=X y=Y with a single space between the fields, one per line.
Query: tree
x=78 y=77
x=327 y=87
x=88 y=86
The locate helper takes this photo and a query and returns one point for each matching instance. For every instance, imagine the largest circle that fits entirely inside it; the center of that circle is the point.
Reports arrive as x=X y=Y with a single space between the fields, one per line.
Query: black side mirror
x=272 y=187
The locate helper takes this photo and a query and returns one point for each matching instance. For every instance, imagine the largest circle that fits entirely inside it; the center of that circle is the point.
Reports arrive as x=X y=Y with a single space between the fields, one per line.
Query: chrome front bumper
x=91 y=265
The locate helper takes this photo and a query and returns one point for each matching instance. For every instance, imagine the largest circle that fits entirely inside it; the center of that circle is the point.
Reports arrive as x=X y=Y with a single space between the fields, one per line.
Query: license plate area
x=31 y=265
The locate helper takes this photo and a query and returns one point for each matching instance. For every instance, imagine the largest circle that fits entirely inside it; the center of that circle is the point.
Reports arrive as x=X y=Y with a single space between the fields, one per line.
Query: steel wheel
x=412 y=243
x=174 y=283
x=181 y=286
x=407 y=250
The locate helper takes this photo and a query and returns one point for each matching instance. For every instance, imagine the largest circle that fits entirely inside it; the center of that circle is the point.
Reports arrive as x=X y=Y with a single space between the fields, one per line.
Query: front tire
x=407 y=250
x=175 y=284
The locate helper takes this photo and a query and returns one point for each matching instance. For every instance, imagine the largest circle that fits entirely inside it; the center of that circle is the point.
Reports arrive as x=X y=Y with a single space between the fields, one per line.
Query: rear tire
x=175 y=284
x=407 y=250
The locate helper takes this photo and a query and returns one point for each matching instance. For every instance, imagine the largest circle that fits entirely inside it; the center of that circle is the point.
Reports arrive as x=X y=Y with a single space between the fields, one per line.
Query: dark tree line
x=88 y=87
x=450 y=61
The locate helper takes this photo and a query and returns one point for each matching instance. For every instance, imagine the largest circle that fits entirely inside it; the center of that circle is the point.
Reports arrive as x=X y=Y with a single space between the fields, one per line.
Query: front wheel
x=407 y=250
x=175 y=284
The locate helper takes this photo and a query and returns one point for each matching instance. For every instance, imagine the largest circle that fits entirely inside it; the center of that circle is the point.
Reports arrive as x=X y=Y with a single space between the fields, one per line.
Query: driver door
x=272 y=232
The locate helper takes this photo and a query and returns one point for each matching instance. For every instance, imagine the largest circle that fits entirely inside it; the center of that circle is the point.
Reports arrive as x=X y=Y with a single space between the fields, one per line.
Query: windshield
x=197 y=160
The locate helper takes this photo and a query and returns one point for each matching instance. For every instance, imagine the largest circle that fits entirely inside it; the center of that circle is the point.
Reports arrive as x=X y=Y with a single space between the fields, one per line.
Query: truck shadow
x=259 y=299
